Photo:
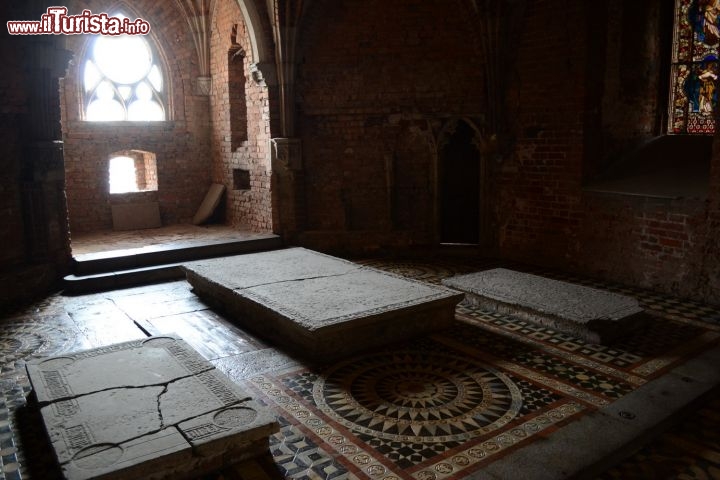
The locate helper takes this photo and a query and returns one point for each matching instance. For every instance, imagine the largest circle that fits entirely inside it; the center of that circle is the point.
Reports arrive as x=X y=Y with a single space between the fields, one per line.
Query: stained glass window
x=696 y=44
x=122 y=80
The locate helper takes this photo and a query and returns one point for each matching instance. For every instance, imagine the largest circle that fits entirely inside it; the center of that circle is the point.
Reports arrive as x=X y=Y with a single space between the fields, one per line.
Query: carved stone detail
x=203 y=86
x=286 y=153
x=264 y=74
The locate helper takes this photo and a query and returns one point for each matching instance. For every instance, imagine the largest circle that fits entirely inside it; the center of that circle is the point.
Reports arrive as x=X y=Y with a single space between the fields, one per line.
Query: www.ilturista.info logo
x=57 y=22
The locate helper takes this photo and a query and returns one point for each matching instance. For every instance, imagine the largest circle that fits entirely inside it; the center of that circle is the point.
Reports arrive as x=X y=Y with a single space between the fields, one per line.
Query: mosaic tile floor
x=442 y=406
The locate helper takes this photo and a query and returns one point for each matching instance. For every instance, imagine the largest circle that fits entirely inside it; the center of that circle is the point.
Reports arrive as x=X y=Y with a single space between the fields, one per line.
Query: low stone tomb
x=151 y=409
x=594 y=315
x=320 y=306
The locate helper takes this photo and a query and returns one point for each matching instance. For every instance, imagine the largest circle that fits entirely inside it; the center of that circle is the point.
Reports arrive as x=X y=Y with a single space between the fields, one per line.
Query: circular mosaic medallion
x=417 y=397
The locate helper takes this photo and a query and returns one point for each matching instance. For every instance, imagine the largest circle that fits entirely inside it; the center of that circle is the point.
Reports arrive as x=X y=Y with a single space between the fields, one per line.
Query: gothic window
x=694 y=75
x=122 y=80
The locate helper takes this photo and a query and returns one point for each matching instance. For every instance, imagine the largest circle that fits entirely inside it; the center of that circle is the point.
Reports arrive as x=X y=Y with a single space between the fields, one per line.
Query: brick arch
x=262 y=48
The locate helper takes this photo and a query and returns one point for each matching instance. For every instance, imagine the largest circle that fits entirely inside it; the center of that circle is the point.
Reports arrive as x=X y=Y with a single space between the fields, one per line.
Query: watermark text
x=57 y=22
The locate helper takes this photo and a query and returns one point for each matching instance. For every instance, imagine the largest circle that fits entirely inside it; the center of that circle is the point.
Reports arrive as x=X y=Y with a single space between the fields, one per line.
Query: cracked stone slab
x=150 y=408
x=320 y=306
x=594 y=315
x=150 y=361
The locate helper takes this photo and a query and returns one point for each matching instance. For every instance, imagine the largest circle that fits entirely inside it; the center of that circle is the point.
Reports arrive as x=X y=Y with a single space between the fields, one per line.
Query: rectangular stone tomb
x=151 y=409
x=320 y=306
x=596 y=316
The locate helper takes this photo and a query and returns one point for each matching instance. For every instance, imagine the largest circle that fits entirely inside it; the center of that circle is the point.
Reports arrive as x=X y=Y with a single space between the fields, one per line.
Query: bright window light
x=124 y=59
x=122 y=80
x=122 y=175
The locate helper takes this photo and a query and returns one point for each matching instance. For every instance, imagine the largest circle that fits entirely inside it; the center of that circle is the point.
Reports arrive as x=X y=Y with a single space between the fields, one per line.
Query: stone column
x=288 y=186
x=286 y=151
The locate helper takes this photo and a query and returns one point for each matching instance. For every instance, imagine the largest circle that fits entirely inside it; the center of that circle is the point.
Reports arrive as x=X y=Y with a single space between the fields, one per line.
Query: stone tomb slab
x=320 y=306
x=151 y=408
x=594 y=315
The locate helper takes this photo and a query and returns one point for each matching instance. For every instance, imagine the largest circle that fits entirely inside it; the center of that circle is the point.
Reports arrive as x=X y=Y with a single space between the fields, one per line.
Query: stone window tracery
x=122 y=80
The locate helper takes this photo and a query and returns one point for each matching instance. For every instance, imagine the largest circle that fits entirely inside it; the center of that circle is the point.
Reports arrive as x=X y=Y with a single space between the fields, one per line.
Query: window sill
x=86 y=125
x=667 y=167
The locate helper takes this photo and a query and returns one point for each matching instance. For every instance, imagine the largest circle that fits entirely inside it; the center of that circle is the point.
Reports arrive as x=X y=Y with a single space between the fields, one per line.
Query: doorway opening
x=459 y=192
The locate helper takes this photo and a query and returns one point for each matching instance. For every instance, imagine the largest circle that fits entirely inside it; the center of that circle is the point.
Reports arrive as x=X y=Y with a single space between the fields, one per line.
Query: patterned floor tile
x=299 y=457
x=433 y=408
x=409 y=410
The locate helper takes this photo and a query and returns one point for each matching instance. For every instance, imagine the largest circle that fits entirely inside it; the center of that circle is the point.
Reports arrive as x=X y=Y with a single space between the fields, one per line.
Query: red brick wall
x=376 y=81
x=539 y=202
x=545 y=216
x=654 y=243
x=231 y=148
x=181 y=144
x=370 y=69
x=630 y=56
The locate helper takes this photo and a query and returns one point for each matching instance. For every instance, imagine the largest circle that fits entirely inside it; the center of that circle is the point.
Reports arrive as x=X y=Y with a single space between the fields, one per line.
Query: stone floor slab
x=152 y=406
x=321 y=306
x=596 y=316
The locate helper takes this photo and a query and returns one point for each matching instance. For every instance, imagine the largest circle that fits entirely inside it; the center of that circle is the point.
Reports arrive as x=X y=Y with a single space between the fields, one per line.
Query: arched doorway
x=459 y=186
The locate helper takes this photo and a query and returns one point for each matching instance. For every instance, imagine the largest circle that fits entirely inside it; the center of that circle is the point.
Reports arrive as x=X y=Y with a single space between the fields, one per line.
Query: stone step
x=114 y=260
x=78 y=284
x=596 y=316
x=138 y=266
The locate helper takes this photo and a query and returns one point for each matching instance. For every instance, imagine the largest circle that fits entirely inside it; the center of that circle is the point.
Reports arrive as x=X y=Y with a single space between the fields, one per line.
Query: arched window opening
x=122 y=80
x=132 y=171
x=236 y=93
x=695 y=69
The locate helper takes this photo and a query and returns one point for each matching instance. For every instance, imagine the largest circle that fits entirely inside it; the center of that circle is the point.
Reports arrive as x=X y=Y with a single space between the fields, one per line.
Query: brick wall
x=655 y=243
x=35 y=249
x=567 y=112
x=181 y=144
x=376 y=82
x=13 y=98
x=630 y=56
x=587 y=88
x=538 y=207
x=240 y=132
